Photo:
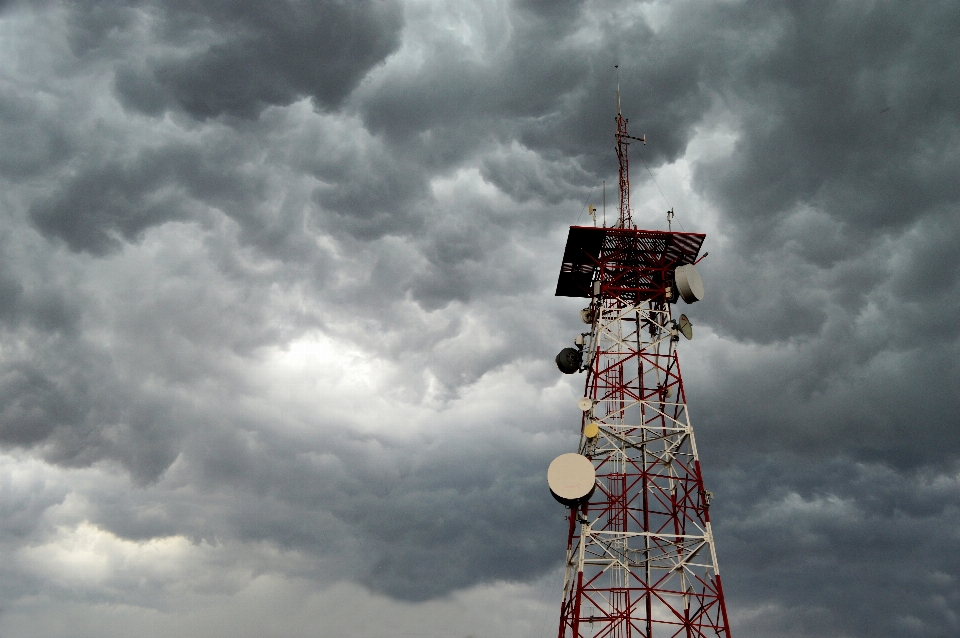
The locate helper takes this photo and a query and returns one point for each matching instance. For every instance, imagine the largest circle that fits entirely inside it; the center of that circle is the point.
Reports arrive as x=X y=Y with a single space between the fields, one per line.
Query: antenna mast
x=625 y=220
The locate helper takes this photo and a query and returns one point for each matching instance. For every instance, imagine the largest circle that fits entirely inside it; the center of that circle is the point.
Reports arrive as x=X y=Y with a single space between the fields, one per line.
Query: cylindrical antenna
x=604 y=203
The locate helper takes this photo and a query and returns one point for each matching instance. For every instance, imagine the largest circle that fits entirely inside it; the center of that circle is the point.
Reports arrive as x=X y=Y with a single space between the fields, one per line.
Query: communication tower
x=640 y=560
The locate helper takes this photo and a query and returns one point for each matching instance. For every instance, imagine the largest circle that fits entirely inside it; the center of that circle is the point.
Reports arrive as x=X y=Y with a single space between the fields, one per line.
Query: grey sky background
x=277 y=321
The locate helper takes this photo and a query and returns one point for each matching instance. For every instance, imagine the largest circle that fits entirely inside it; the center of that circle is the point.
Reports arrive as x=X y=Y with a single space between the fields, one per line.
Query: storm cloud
x=277 y=317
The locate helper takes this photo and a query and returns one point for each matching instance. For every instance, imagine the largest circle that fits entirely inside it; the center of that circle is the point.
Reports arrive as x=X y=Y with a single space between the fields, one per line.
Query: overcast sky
x=277 y=322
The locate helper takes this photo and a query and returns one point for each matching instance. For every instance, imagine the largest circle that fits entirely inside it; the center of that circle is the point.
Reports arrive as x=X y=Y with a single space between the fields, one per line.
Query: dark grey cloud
x=257 y=55
x=42 y=308
x=277 y=280
x=854 y=116
x=68 y=401
x=881 y=526
x=101 y=206
x=31 y=144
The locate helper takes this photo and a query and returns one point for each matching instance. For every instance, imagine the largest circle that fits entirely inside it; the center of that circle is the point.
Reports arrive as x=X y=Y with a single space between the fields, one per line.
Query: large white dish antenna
x=689 y=284
x=571 y=478
x=584 y=403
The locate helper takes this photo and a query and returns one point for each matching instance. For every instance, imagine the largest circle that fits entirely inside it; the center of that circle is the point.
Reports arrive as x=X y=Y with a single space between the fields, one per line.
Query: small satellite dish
x=685 y=327
x=586 y=315
x=689 y=283
x=572 y=479
x=584 y=403
x=591 y=430
x=569 y=360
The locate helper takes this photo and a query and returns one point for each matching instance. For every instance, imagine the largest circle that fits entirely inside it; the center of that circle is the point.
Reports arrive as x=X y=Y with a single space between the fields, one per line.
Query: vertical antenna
x=604 y=203
x=617 y=68
x=622 y=144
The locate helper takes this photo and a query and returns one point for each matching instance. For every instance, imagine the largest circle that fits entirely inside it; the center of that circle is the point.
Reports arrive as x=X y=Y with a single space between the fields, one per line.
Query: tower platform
x=635 y=264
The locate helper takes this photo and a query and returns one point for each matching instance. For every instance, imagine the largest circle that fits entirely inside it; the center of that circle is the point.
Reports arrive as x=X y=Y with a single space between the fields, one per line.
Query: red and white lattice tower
x=641 y=561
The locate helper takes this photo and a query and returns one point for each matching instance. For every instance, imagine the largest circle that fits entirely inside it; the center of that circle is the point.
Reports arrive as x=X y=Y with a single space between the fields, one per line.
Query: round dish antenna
x=689 y=284
x=591 y=430
x=572 y=479
x=569 y=360
x=584 y=403
x=586 y=315
x=685 y=327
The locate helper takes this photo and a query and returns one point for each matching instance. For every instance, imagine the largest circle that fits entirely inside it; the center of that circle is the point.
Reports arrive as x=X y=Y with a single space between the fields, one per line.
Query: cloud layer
x=277 y=324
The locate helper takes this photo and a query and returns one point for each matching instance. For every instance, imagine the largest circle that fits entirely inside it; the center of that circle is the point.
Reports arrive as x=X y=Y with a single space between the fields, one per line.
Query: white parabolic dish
x=689 y=284
x=571 y=478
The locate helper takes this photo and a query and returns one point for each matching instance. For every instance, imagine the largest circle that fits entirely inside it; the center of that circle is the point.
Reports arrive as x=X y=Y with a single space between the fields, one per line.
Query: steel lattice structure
x=641 y=561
